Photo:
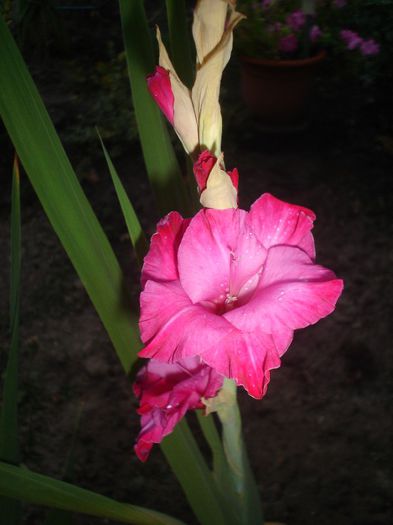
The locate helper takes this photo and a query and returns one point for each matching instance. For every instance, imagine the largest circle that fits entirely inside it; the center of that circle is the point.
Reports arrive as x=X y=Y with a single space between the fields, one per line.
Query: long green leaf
x=196 y=479
x=221 y=470
x=9 y=448
x=60 y=516
x=20 y=483
x=63 y=199
x=179 y=36
x=9 y=442
x=212 y=436
x=160 y=160
x=134 y=227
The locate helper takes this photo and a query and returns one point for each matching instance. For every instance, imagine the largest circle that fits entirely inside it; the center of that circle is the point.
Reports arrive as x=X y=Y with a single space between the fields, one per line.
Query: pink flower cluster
x=288 y=43
x=222 y=294
x=295 y=21
x=353 y=41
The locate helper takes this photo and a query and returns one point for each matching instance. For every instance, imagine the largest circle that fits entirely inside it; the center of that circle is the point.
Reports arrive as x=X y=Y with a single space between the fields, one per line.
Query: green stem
x=240 y=471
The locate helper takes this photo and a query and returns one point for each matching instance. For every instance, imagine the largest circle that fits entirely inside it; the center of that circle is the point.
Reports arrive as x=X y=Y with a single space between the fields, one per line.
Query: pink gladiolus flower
x=296 y=20
x=231 y=287
x=315 y=33
x=340 y=3
x=369 y=47
x=203 y=167
x=159 y=85
x=351 y=39
x=166 y=392
x=288 y=44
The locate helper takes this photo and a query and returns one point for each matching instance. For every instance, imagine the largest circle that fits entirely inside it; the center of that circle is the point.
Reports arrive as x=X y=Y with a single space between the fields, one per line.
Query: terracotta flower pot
x=278 y=91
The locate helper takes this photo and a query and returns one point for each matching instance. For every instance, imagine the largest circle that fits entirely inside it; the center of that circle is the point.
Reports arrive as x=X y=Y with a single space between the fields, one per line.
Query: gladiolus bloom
x=231 y=286
x=166 y=392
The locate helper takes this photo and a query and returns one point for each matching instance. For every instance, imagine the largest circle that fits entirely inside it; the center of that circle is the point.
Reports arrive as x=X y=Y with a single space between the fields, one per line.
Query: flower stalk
x=243 y=483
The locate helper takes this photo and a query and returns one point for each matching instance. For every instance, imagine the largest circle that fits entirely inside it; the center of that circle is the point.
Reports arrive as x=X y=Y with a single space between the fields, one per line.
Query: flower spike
x=212 y=30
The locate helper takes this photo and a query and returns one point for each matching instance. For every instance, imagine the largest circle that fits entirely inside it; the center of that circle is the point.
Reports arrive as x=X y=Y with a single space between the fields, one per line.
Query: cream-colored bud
x=219 y=193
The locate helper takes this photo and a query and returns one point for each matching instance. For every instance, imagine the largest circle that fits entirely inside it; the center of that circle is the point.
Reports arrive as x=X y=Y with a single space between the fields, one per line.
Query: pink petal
x=247 y=358
x=166 y=392
x=160 y=263
x=277 y=222
x=142 y=449
x=173 y=327
x=217 y=255
x=193 y=330
x=292 y=293
x=159 y=85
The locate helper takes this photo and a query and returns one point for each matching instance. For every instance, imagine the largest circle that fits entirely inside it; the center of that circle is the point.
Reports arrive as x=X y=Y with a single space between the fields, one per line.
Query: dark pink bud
x=203 y=167
x=159 y=85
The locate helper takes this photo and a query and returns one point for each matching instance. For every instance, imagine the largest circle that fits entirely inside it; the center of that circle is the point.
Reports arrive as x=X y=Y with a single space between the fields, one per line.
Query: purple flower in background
x=274 y=28
x=288 y=44
x=315 y=33
x=296 y=20
x=351 y=39
x=369 y=47
x=339 y=3
x=266 y=4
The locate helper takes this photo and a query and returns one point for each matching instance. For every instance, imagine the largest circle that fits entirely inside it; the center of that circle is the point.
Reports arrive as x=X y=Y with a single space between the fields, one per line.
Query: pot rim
x=286 y=63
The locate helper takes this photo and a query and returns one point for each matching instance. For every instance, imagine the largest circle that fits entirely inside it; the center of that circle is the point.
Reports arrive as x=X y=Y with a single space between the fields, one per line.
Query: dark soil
x=320 y=441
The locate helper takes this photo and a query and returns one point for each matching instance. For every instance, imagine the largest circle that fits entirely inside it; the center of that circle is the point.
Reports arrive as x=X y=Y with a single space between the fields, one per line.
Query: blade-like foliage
x=134 y=228
x=160 y=160
x=63 y=199
x=221 y=469
x=20 y=483
x=180 y=40
x=9 y=448
x=60 y=516
x=196 y=479
x=9 y=442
